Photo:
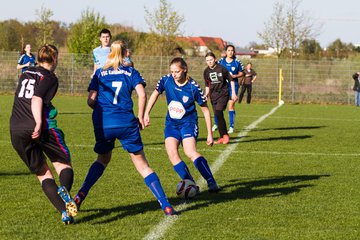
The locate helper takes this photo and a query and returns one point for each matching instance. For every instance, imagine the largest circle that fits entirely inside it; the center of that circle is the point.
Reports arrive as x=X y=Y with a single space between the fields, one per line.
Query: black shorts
x=51 y=142
x=220 y=103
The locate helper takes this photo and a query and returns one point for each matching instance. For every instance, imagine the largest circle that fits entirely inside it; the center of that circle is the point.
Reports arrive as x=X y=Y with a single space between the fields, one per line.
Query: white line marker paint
x=160 y=229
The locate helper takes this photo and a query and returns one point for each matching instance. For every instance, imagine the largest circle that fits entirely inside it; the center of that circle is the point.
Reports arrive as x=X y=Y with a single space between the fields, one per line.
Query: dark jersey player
x=113 y=118
x=34 y=131
x=217 y=79
x=181 y=125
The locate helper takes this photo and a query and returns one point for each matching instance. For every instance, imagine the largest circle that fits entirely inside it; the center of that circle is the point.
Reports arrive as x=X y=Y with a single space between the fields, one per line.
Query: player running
x=216 y=78
x=235 y=68
x=113 y=118
x=181 y=125
x=34 y=131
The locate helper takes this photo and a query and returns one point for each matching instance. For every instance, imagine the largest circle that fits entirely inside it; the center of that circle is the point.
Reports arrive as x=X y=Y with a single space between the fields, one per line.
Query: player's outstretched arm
x=153 y=98
x=207 y=116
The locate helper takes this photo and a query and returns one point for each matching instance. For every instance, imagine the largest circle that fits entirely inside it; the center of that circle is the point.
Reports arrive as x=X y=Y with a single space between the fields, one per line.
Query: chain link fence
x=323 y=81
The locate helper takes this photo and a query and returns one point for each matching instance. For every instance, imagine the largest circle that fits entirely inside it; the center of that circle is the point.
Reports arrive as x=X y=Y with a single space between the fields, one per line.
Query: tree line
x=291 y=32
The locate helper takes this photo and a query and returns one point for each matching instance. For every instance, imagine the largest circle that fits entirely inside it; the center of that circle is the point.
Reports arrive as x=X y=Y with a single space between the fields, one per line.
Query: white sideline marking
x=160 y=229
x=234 y=151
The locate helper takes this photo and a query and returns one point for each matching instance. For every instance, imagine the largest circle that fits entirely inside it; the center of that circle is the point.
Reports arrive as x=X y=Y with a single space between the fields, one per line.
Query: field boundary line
x=235 y=151
x=160 y=229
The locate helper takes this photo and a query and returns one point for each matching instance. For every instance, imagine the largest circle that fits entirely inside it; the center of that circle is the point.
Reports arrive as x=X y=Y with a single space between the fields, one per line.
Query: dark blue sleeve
x=199 y=94
x=94 y=84
x=241 y=66
x=160 y=86
x=21 y=59
x=137 y=78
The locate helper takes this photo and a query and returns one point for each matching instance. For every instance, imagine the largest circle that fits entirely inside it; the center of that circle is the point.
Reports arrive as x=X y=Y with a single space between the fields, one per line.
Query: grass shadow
x=288 y=128
x=12 y=174
x=258 y=188
x=237 y=139
x=244 y=189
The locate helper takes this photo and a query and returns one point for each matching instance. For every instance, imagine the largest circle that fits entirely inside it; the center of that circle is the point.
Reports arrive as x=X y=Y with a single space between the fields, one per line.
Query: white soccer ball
x=281 y=102
x=186 y=189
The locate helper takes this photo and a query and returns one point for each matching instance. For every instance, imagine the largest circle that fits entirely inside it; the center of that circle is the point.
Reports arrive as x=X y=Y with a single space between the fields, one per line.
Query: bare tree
x=274 y=34
x=299 y=27
x=288 y=27
x=286 y=30
x=44 y=26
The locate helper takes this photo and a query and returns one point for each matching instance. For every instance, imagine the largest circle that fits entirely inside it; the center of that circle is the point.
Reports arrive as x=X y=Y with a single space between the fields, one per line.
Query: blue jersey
x=234 y=67
x=181 y=100
x=25 y=59
x=100 y=55
x=114 y=106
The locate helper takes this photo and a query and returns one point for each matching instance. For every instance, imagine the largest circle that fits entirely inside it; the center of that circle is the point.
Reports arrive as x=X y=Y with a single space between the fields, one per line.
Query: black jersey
x=217 y=79
x=35 y=81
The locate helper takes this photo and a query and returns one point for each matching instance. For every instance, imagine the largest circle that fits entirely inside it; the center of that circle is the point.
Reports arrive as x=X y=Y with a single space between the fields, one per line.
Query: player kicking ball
x=181 y=126
x=34 y=131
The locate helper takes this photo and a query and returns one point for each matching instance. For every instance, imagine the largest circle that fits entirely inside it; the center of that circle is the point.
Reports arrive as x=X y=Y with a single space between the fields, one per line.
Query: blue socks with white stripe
x=153 y=182
x=182 y=170
x=203 y=167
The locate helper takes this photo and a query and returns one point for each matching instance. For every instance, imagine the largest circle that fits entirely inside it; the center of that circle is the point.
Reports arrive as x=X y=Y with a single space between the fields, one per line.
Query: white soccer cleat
x=214 y=128
x=231 y=130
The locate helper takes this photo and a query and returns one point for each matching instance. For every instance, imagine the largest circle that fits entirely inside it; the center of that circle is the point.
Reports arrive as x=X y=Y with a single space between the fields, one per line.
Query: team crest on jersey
x=232 y=68
x=185 y=99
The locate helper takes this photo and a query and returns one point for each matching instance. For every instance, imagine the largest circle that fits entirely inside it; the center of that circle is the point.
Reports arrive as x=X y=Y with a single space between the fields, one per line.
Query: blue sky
x=237 y=21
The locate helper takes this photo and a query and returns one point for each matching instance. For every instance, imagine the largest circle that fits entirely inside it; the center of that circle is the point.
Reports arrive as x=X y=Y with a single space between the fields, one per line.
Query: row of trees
x=291 y=32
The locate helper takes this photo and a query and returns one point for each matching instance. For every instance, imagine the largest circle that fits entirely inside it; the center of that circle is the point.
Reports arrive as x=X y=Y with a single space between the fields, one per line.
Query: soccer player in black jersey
x=34 y=131
x=217 y=77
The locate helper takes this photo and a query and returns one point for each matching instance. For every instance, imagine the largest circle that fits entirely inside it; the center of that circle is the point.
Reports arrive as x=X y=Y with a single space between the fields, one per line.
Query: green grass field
x=295 y=176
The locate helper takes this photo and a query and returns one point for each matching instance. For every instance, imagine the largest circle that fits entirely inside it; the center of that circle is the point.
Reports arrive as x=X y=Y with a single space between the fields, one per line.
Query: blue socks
x=153 y=182
x=202 y=165
x=183 y=171
x=216 y=121
x=231 y=117
x=95 y=172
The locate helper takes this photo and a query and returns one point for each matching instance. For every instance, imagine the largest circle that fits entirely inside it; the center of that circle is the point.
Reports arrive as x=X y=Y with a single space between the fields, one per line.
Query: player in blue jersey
x=113 y=118
x=181 y=125
x=235 y=68
x=27 y=59
x=100 y=54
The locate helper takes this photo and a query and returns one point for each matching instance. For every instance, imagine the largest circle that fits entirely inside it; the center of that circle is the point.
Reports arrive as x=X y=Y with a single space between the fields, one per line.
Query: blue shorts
x=236 y=90
x=181 y=132
x=128 y=136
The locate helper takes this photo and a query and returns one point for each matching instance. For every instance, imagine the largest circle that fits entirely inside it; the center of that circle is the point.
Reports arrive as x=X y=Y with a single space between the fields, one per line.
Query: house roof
x=204 y=41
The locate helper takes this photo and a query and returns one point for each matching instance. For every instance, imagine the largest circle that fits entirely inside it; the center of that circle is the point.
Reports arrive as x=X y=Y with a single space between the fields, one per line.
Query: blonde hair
x=116 y=55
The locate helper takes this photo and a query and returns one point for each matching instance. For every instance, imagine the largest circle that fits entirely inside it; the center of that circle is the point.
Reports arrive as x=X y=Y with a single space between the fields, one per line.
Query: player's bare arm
x=92 y=98
x=141 y=104
x=36 y=109
x=207 y=116
x=154 y=96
